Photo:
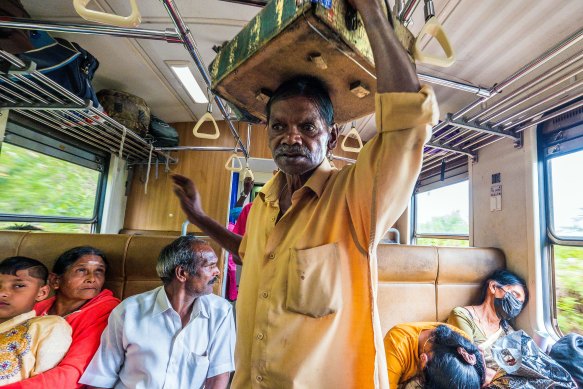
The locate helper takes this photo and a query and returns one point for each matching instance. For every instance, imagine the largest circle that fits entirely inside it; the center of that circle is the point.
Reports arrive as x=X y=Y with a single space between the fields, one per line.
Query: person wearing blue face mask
x=503 y=295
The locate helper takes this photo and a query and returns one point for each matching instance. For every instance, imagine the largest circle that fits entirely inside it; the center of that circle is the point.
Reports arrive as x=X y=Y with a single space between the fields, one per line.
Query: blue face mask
x=507 y=307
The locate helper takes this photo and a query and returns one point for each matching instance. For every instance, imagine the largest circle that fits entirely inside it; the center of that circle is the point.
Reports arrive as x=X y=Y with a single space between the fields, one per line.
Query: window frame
x=35 y=139
x=414 y=211
x=547 y=151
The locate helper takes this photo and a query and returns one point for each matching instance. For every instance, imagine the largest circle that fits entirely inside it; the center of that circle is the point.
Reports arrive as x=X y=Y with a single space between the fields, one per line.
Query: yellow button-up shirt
x=306 y=312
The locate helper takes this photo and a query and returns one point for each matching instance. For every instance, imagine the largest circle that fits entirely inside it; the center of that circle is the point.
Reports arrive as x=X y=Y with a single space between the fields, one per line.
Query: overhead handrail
x=434 y=29
x=248 y=172
x=207 y=116
x=132 y=20
x=230 y=166
x=354 y=134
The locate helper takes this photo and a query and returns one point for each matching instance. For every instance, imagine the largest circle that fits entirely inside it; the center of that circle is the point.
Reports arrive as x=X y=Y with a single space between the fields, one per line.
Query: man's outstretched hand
x=189 y=198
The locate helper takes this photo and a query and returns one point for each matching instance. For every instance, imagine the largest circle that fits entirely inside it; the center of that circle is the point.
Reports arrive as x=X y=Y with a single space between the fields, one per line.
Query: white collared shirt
x=145 y=346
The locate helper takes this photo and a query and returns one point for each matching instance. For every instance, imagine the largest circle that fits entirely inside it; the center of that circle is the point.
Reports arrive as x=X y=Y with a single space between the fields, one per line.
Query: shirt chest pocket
x=314 y=281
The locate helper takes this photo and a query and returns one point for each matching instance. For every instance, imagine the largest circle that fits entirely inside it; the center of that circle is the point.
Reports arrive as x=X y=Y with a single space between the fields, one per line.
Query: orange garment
x=402 y=350
x=306 y=313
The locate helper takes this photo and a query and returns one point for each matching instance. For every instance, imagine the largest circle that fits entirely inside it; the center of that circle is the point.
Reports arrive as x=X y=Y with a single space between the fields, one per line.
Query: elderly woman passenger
x=77 y=278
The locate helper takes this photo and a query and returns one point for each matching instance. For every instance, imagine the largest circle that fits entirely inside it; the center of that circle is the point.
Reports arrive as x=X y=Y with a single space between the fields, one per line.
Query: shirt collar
x=8 y=324
x=162 y=304
x=272 y=190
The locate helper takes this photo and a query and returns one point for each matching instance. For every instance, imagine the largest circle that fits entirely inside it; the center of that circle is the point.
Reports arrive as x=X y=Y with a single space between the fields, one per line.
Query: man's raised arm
x=190 y=202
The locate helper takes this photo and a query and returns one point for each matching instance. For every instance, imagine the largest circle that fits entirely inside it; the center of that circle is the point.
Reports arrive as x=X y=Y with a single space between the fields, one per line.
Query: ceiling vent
x=566 y=120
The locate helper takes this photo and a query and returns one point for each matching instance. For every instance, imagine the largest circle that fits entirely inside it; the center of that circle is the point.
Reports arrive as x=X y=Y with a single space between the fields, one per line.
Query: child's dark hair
x=35 y=268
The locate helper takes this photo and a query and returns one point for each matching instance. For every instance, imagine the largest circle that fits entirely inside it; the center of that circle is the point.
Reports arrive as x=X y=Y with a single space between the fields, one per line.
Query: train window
x=48 y=185
x=565 y=232
x=442 y=216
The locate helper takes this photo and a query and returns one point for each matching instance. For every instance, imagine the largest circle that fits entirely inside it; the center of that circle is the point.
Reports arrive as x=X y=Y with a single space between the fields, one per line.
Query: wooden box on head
x=325 y=39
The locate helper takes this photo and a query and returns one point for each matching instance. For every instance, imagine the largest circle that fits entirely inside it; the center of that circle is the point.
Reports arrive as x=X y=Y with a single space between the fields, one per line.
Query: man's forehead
x=298 y=108
x=205 y=251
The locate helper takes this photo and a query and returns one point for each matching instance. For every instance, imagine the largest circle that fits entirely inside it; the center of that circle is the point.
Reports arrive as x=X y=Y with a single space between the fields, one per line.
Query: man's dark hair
x=181 y=252
x=71 y=256
x=446 y=368
x=305 y=86
x=35 y=268
x=503 y=278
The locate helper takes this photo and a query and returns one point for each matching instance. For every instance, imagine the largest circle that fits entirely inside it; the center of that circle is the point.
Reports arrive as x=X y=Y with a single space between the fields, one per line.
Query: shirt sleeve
x=380 y=183
x=395 y=362
x=459 y=319
x=104 y=367
x=222 y=347
x=53 y=343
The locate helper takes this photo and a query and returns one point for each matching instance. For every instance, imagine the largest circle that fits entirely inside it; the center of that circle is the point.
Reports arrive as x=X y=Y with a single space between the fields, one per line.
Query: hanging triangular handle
x=133 y=20
x=232 y=162
x=433 y=28
x=207 y=116
x=356 y=135
x=248 y=173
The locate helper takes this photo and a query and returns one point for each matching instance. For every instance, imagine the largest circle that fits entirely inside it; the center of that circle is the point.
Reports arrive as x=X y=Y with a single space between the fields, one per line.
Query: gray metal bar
x=565 y=110
x=408 y=11
x=192 y=49
x=551 y=116
x=198 y=148
x=538 y=103
x=481 y=128
x=477 y=90
x=41 y=106
x=12 y=59
x=169 y=35
x=450 y=148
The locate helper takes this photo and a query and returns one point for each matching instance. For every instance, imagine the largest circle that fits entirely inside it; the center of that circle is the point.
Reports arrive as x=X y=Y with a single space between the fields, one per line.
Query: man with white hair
x=176 y=336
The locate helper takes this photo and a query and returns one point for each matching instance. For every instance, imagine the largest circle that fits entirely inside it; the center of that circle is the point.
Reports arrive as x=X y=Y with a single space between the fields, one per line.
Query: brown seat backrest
x=132 y=258
x=424 y=283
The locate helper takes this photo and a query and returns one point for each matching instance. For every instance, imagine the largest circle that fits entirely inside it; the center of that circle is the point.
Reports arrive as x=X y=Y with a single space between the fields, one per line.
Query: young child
x=29 y=345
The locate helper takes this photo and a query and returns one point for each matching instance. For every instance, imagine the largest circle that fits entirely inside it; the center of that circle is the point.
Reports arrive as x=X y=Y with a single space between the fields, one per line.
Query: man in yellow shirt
x=436 y=354
x=306 y=312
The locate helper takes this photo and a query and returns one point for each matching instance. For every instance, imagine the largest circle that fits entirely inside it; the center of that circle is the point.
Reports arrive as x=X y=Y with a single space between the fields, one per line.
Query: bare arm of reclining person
x=189 y=198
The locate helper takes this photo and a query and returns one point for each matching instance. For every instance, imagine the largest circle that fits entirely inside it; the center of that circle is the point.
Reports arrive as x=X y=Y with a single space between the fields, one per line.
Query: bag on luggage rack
x=69 y=65
x=164 y=134
x=14 y=41
x=129 y=110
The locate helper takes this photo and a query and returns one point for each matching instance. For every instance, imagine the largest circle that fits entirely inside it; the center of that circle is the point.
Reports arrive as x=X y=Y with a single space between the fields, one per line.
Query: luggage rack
x=33 y=95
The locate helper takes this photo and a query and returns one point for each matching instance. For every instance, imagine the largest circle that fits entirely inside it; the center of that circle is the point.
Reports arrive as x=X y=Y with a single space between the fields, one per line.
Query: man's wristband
x=243 y=194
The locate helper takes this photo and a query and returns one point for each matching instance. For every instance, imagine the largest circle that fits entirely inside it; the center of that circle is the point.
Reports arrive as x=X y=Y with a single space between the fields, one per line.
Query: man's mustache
x=285 y=149
x=215 y=279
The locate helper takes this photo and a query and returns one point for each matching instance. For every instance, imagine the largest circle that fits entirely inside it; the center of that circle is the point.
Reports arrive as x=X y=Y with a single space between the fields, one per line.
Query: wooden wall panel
x=159 y=209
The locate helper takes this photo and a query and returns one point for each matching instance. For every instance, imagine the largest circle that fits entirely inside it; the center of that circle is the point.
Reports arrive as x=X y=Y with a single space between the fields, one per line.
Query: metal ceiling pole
x=449 y=148
x=551 y=116
x=169 y=35
x=455 y=85
x=190 y=45
x=197 y=148
x=563 y=65
x=538 y=103
x=525 y=70
x=533 y=95
x=408 y=11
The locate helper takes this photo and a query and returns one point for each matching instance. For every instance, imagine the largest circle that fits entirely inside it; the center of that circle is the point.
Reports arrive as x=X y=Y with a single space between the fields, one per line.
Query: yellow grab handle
x=248 y=173
x=133 y=20
x=433 y=28
x=207 y=116
x=229 y=165
x=355 y=134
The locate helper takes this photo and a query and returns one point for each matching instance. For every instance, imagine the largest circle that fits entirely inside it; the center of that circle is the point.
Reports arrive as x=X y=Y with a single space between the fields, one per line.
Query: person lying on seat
x=503 y=296
x=432 y=356
x=306 y=310
x=178 y=335
x=29 y=345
